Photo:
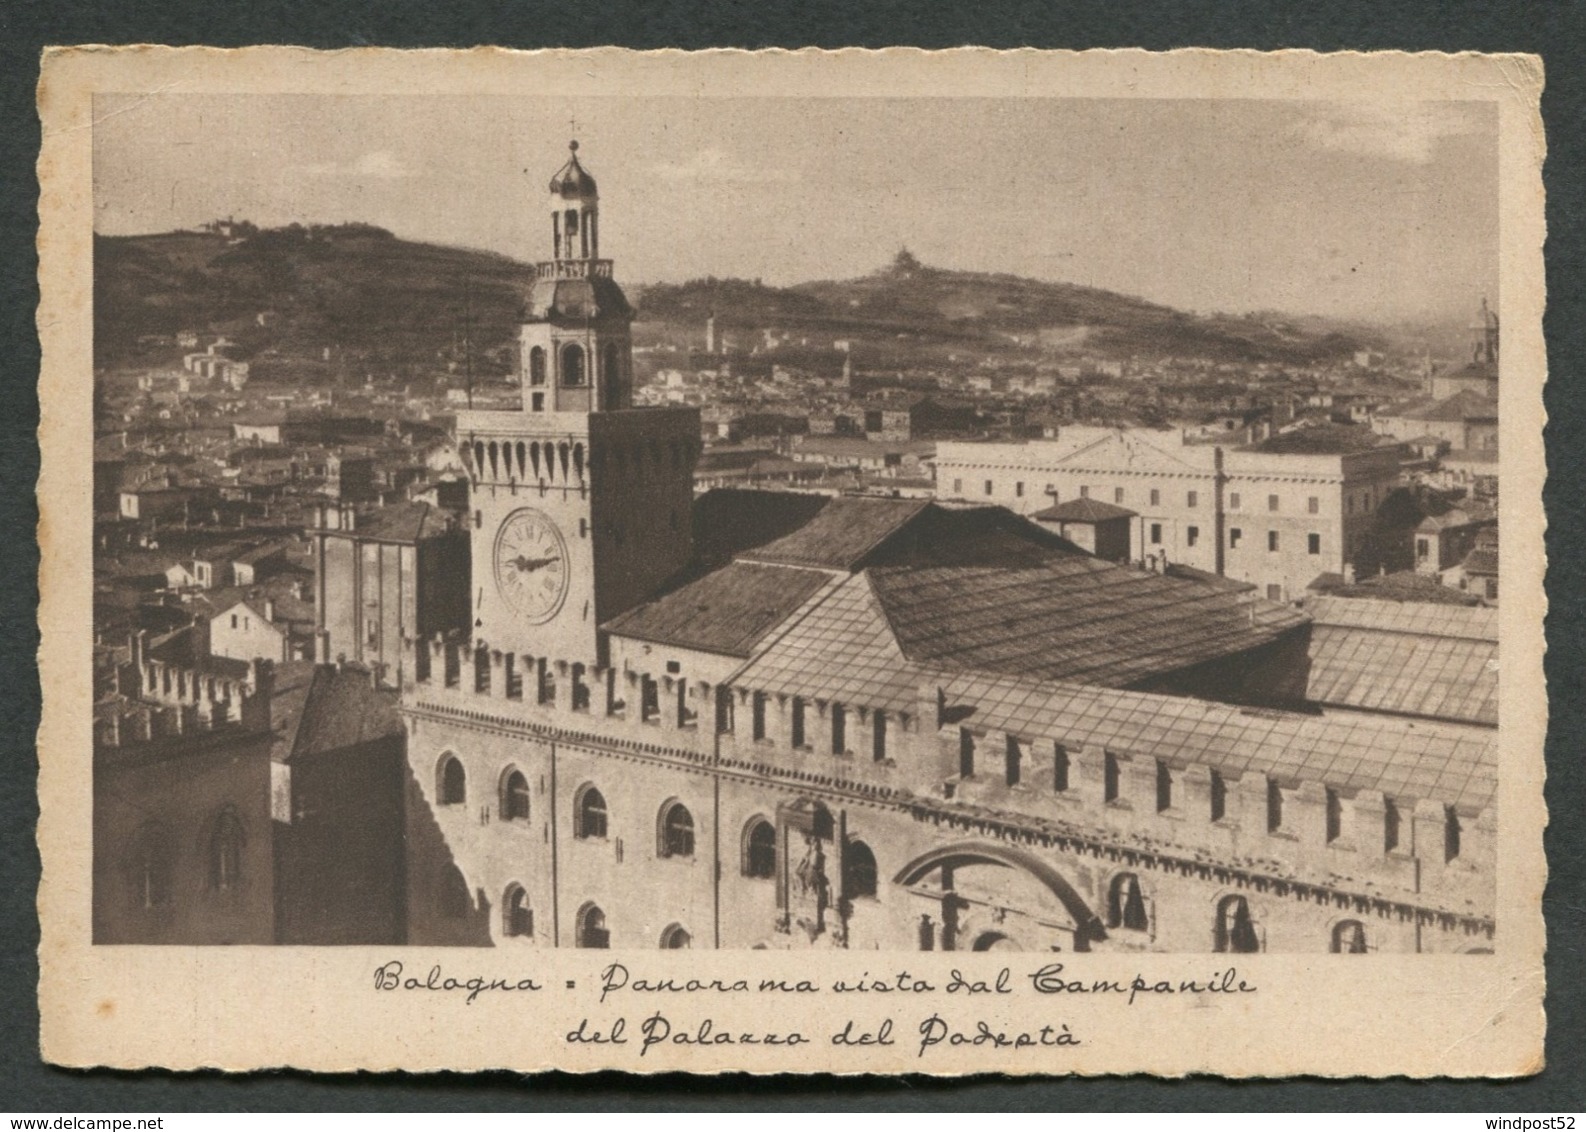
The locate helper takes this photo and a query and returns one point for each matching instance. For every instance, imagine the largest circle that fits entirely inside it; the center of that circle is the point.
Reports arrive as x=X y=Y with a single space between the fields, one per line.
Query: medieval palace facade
x=763 y=720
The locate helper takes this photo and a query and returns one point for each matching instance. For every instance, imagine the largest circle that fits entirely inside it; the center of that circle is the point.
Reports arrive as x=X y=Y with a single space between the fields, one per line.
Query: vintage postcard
x=857 y=562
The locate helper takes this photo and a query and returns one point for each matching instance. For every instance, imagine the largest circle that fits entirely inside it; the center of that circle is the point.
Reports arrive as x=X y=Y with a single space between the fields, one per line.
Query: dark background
x=1552 y=30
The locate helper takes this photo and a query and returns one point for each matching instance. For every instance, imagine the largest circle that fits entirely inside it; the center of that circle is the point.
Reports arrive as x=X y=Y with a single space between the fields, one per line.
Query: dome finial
x=573 y=145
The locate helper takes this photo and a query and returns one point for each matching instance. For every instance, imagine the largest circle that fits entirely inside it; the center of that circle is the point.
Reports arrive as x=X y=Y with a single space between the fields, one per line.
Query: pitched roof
x=1438 y=661
x=1482 y=560
x=730 y=521
x=1071 y=617
x=840 y=650
x=841 y=534
x=1463 y=405
x=1407 y=587
x=1083 y=510
x=342 y=710
x=728 y=611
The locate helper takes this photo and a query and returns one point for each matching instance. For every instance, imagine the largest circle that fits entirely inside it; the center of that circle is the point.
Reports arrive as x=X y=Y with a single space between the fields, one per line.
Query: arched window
x=537 y=366
x=676 y=938
x=225 y=852
x=759 y=849
x=1235 y=931
x=1349 y=938
x=591 y=928
x=1126 y=904
x=677 y=831
x=994 y=941
x=589 y=814
x=859 y=870
x=451 y=782
x=517 y=918
x=514 y=797
x=152 y=868
x=572 y=364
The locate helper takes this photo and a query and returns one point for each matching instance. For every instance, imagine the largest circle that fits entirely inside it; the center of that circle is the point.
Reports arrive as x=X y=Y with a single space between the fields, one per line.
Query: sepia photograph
x=878 y=523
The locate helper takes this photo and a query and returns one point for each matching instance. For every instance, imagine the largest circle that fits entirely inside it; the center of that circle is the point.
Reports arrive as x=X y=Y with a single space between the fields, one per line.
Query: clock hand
x=528 y=565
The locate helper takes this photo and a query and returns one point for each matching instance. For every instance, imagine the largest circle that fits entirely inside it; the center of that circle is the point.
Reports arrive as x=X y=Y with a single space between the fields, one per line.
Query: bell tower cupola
x=574 y=344
x=575 y=211
x=581 y=502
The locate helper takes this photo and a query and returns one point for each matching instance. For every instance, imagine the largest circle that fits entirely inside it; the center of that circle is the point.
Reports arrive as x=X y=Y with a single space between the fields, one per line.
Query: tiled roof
x=1482 y=560
x=841 y=649
x=1461 y=406
x=727 y=611
x=1438 y=661
x=1347 y=752
x=841 y=534
x=1407 y=587
x=1083 y=510
x=342 y=709
x=1071 y=617
x=729 y=521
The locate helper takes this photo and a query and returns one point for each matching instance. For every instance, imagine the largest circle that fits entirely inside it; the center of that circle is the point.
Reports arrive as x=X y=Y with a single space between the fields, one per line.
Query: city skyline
x=1339 y=210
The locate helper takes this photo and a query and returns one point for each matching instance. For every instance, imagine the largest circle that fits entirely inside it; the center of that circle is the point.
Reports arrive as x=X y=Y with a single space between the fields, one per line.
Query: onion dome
x=572 y=180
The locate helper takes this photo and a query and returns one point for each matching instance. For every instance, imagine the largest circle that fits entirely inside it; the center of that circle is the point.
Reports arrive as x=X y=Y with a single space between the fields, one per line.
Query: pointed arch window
x=859 y=870
x=515 y=797
x=591 y=928
x=677 y=831
x=1236 y=929
x=1349 y=938
x=517 y=918
x=759 y=849
x=676 y=938
x=1126 y=904
x=451 y=782
x=589 y=814
x=225 y=852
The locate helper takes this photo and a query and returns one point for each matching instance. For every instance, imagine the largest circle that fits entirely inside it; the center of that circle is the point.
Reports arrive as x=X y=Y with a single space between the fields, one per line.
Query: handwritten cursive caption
x=648 y=1028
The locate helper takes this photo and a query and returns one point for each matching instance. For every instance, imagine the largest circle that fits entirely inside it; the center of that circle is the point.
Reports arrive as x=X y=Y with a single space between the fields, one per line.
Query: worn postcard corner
x=852 y=562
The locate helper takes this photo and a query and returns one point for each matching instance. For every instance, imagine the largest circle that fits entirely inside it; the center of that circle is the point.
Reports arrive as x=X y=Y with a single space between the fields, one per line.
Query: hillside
x=992 y=311
x=351 y=288
x=398 y=306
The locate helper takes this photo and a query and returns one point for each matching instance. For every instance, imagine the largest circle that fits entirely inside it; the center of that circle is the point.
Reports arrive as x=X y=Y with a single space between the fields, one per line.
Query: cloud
x=1400 y=132
x=380 y=165
x=714 y=166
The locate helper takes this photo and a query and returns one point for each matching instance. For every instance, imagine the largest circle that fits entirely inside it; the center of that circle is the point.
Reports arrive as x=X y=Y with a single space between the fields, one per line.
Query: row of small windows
x=798 y=724
x=1234 y=927
x=1313 y=541
x=1313 y=503
x=675 y=831
x=1168 y=793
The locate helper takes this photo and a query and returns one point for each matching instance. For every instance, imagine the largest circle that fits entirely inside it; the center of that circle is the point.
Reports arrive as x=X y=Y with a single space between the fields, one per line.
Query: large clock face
x=531 y=565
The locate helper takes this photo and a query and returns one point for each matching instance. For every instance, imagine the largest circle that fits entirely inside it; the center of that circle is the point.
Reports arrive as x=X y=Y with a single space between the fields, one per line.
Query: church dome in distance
x=573 y=180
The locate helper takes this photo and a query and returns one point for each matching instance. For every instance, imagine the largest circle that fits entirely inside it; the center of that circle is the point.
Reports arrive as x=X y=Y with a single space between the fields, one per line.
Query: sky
x=1342 y=209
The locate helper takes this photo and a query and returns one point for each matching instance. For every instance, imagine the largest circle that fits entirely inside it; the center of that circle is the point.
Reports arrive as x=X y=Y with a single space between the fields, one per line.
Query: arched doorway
x=962 y=913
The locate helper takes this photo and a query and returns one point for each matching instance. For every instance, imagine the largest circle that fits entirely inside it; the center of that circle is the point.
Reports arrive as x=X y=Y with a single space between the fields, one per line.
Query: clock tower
x=581 y=502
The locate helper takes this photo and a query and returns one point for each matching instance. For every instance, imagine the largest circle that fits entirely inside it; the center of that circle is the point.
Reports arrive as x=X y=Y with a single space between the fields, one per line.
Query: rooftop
x=841 y=534
x=728 y=611
x=1083 y=510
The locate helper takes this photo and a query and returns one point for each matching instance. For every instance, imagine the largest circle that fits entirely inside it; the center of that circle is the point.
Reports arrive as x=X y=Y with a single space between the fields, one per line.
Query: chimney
x=269 y=610
x=1349 y=573
x=256 y=706
x=322 y=646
